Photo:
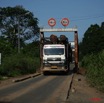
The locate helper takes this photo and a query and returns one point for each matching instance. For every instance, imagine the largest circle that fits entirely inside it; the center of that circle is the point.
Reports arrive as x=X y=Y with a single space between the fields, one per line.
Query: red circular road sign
x=51 y=22
x=65 y=21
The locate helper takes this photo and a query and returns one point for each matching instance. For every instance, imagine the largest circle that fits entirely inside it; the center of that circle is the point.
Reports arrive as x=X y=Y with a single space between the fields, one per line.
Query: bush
x=19 y=64
x=94 y=65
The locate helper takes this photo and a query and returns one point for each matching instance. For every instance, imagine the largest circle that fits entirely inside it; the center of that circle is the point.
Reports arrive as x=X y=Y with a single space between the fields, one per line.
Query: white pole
x=0 y=58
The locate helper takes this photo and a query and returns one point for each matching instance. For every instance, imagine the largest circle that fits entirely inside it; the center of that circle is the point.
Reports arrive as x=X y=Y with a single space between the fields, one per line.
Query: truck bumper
x=50 y=69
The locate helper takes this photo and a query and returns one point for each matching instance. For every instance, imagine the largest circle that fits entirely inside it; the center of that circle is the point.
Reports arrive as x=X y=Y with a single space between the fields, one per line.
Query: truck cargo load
x=53 y=39
x=63 y=39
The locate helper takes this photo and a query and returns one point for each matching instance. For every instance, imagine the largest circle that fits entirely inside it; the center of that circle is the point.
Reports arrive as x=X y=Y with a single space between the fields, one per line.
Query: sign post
x=0 y=58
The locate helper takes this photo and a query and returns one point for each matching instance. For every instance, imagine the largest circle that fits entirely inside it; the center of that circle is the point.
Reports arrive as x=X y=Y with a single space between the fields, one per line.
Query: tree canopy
x=16 y=21
x=93 y=40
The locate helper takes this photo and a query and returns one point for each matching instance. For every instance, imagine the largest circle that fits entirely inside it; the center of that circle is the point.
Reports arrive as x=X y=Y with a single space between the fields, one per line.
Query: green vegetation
x=19 y=64
x=92 y=55
x=18 y=25
x=94 y=64
x=26 y=62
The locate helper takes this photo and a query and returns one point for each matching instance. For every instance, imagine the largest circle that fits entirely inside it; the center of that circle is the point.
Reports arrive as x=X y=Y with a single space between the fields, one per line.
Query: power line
x=82 y=17
x=74 y=19
x=85 y=18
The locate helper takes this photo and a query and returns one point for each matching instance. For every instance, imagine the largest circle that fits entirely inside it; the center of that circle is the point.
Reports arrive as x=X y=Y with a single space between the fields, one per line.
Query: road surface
x=41 y=89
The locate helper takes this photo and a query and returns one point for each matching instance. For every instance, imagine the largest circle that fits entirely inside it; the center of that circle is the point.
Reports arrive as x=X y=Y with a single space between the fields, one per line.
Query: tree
x=93 y=40
x=17 y=25
x=32 y=49
x=101 y=44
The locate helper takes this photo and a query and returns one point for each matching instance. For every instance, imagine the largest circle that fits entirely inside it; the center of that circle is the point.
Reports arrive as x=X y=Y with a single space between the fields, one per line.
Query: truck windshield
x=54 y=51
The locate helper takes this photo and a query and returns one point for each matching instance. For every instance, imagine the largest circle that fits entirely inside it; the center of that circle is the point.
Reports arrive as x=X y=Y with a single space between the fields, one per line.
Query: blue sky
x=81 y=13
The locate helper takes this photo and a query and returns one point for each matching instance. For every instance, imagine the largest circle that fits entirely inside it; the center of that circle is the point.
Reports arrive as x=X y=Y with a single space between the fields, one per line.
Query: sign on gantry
x=65 y=22
x=51 y=22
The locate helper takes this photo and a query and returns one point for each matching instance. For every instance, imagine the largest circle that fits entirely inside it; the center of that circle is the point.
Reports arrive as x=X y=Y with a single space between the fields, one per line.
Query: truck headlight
x=44 y=61
x=62 y=61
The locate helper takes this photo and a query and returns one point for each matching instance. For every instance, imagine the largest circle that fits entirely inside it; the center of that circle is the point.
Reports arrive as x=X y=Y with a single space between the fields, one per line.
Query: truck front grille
x=53 y=59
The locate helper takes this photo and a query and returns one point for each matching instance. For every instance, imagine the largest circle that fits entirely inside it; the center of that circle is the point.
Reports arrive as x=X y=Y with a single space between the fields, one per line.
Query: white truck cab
x=54 y=57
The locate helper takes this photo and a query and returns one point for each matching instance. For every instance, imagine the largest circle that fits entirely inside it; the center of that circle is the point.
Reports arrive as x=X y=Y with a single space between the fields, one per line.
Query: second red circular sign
x=65 y=21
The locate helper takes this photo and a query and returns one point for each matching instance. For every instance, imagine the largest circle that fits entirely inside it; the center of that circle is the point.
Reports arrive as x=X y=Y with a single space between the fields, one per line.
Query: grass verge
x=18 y=64
x=94 y=64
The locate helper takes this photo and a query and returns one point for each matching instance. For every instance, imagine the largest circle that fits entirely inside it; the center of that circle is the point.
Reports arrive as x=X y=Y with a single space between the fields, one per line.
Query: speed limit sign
x=51 y=22
x=65 y=21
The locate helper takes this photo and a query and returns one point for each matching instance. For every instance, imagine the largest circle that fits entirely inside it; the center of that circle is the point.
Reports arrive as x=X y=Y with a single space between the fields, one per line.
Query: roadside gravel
x=82 y=92
x=11 y=80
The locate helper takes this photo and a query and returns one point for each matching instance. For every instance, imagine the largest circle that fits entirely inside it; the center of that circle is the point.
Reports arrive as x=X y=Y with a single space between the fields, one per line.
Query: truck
x=56 y=53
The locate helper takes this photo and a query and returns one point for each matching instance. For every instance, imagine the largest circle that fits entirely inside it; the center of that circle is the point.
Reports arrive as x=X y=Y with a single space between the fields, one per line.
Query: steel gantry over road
x=59 y=30
x=75 y=42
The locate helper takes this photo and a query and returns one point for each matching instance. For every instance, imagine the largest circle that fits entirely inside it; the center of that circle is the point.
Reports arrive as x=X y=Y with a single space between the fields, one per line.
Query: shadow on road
x=5 y=102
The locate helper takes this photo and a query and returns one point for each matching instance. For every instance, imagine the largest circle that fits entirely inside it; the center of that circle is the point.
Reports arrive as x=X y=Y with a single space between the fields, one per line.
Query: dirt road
x=51 y=89
x=41 y=89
